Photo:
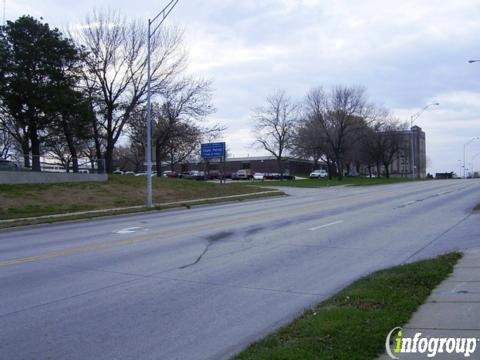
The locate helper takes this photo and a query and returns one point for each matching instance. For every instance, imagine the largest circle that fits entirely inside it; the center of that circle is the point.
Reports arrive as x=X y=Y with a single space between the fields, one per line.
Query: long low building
x=262 y=164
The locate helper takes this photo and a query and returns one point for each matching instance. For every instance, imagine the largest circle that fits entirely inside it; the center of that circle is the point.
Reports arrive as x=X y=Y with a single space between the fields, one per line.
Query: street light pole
x=161 y=16
x=464 y=155
x=412 y=149
x=473 y=163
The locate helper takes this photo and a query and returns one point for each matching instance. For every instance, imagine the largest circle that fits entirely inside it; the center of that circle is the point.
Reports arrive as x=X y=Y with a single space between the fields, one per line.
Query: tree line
x=338 y=126
x=82 y=94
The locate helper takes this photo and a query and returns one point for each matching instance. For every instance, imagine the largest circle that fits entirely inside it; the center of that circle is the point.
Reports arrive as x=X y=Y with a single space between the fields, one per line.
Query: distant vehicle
x=272 y=176
x=244 y=174
x=194 y=175
x=318 y=174
x=259 y=176
x=118 y=172
x=214 y=175
x=130 y=173
x=371 y=176
x=170 y=174
x=7 y=165
x=83 y=171
x=141 y=174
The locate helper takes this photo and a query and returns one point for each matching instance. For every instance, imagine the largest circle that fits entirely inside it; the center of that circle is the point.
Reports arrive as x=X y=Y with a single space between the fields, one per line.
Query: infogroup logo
x=397 y=344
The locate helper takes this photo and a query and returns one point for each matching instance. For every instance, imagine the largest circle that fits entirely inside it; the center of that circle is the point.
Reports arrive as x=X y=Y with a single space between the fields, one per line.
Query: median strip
x=129 y=209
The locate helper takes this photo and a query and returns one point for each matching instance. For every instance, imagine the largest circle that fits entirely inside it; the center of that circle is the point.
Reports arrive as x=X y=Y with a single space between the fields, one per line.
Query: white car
x=259 y=176
x=318 y=174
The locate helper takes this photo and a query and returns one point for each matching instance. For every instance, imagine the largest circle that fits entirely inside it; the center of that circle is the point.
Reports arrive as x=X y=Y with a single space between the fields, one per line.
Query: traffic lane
x=184 y=342
x=251 y=222
x=281 y=259
x=149 y=319
x=465 y=236
x=101 y=229
x=361 y=243
x=187 y=251
x=299 y=257
x=20 y=246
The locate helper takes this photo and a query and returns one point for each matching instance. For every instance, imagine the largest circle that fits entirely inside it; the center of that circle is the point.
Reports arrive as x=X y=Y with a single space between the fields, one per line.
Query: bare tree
x=310 y=143
x=340 y=114
x=16 y=134
x=275 y=126
x=177 y=129
x=6 y=143
x=382 y=144
x=116 y=69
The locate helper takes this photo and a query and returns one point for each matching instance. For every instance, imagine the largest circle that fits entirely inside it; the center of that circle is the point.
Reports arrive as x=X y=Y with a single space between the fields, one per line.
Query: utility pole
x=412 y=138
x=157 y=21
x=465 y=153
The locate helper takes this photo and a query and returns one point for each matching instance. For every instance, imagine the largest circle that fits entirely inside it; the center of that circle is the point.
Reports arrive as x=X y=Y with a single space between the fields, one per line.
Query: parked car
x=244 y=174
x=118 y=172
x=278 y=176
x=170 y=174
x=130 y=173
x=318 y=174
x=194 y=175
x=258 y=176
x=272 y=176
x=141 y=174
x=7 y=165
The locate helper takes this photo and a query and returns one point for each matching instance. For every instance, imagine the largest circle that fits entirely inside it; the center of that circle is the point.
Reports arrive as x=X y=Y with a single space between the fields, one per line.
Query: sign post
x=214 y=151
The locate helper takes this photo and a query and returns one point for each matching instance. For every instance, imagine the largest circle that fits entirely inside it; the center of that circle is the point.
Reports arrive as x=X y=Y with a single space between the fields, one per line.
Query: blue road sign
x=213 y=150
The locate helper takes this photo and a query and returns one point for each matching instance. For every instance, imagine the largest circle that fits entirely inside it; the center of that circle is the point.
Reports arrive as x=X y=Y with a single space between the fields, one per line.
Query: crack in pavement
x=210 y=241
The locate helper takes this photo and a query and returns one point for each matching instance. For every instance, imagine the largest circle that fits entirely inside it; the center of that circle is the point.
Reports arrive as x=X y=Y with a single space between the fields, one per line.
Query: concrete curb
x=138 y=207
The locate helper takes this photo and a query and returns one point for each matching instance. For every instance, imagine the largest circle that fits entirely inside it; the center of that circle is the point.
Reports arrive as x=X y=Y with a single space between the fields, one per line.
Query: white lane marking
x=325 y=225
x=129 y=230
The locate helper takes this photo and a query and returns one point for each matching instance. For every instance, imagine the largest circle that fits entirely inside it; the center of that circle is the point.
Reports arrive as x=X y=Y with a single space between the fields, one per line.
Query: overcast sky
x=406 y=53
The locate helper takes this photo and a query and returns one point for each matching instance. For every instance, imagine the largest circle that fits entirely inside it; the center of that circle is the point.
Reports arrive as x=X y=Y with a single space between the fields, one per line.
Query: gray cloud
x=407 y=54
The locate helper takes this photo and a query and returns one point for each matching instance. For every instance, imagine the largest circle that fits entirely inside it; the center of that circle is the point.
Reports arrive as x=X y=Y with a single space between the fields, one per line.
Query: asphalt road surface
x=204 y=283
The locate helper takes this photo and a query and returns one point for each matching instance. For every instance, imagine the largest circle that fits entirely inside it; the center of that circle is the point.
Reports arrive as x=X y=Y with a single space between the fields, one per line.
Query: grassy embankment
x=354 y=323
x=29 y=200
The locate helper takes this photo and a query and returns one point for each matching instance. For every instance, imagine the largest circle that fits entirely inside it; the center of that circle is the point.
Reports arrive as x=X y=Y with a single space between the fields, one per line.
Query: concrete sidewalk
x=452 y=310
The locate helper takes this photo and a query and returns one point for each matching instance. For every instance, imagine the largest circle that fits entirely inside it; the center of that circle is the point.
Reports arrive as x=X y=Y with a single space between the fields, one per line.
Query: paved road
x=205 y=282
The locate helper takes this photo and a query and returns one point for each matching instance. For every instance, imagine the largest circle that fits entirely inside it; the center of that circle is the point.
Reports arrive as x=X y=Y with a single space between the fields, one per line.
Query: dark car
x=170 y=174
x=194 y=175
x=7 y=165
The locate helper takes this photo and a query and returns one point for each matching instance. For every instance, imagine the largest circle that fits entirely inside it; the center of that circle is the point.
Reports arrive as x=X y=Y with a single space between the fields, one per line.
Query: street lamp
x=465 y=152
x=157 y=21
x=412 y=120
x=473 y=163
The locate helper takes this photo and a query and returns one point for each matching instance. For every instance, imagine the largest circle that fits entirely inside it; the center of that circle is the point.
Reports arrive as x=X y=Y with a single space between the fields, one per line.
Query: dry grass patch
x=29 y=200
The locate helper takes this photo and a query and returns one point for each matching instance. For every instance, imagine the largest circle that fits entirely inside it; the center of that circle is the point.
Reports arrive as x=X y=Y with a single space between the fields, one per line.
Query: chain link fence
x=48 y=163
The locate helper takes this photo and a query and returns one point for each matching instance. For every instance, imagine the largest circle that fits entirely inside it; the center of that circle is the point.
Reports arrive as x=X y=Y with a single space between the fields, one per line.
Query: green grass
x=355 y=181
x=477 y=208
x=354 y=323
x=29 y=200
